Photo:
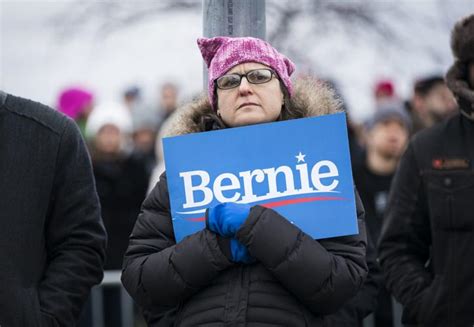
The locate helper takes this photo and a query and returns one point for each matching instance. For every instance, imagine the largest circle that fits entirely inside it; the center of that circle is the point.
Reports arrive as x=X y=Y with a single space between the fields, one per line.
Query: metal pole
x=233 y=18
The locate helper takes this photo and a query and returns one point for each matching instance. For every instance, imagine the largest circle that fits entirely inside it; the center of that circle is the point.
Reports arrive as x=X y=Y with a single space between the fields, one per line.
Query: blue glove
x=239 y=252
x=226 y=218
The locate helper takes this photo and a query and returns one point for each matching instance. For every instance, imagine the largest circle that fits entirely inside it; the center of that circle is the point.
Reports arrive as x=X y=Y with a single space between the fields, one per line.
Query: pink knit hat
x=222 y=53
x=73 y=101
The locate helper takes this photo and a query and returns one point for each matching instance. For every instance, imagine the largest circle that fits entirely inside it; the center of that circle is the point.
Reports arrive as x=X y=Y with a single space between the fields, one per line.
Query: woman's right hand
x=225 y=219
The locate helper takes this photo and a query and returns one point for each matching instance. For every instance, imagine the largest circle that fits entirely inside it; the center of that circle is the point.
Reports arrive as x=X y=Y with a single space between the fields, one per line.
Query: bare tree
x=108 y=17
x=354 y=16
x=358 y=20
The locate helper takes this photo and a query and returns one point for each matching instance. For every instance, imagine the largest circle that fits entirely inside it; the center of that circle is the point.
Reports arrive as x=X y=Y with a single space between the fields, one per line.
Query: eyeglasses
x=255 y=76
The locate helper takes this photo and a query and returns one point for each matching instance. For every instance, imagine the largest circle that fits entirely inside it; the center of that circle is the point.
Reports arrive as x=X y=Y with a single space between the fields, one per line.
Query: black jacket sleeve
x=75 y=236
x=160 y=274
x=322 y=274
x=353 y=312
x=405 y=238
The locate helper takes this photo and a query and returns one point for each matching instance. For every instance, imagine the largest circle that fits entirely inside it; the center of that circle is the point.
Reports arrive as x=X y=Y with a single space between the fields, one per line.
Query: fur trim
x=458 y=84
x=462 y=39
x=312 y=98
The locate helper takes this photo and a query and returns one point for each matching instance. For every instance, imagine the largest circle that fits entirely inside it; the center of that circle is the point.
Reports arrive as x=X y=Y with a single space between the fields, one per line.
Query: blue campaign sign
x=300 y=168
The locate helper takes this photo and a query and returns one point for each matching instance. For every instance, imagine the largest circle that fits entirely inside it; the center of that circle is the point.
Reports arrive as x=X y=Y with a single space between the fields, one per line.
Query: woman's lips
x=247 y=104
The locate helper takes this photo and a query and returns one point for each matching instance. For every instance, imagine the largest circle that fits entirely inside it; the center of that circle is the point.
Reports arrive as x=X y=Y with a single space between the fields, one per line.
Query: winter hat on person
x=387 y=112
x=384 y=87
x=144 y=118
x=132 y=92
x=73 y=101
x=222 y=53
x=462 y=39
x=462 y=45
x=109 y=114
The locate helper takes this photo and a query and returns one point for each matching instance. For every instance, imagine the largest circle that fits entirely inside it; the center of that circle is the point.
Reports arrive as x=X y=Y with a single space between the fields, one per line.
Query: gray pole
x=233 y=18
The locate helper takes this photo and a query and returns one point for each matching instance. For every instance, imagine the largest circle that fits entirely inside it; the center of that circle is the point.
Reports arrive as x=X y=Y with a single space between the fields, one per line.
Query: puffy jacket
x=295 y=281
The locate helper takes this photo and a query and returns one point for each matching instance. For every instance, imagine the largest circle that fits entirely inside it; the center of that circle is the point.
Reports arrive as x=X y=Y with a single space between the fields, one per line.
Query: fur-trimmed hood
x=462 y=45
x=456 y=79
x=462 y=39
x=312 y=97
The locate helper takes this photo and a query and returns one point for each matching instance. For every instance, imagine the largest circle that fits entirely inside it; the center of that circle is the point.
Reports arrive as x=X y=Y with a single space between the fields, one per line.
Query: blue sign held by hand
x=300 y=168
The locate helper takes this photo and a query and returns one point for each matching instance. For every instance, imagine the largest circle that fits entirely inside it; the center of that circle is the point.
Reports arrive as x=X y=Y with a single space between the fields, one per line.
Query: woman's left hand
x=226 y=218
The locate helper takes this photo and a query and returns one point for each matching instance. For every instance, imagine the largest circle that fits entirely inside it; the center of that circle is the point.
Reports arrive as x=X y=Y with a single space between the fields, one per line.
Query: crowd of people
x=412 y=164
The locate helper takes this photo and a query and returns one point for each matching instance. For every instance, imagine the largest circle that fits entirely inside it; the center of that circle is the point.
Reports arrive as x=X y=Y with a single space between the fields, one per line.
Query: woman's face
x=249 y=104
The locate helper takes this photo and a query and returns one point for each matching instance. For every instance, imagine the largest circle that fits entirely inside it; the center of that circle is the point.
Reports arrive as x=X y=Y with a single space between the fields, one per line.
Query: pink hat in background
x=222 y=53
x=73 y=101
x=384 y=87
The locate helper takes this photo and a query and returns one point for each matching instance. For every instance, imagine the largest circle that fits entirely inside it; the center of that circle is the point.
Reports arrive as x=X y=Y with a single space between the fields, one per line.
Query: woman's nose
x=245 y=87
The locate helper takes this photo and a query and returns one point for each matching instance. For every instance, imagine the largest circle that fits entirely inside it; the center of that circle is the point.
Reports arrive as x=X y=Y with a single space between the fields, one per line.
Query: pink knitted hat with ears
x=222 y=53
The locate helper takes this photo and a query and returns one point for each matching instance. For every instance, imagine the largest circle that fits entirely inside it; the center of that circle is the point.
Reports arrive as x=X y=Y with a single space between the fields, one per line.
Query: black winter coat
x=295 y=281
x=122 y=183
x=427 y=241
x=52 y=241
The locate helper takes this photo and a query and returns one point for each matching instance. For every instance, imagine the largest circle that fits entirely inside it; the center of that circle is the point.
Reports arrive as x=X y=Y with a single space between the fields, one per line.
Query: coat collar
x=312 y=97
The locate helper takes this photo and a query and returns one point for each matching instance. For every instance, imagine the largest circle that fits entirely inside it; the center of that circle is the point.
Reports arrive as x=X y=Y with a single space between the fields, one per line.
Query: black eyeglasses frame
x=246 y=77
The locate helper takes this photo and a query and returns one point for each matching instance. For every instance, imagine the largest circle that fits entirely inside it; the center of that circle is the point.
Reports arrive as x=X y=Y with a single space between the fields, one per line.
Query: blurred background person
x=384 y=91
x=145 y=126
x=167 y=102
x=76 y=103
x=387 y=134
x=431 y=102
x=132 y=98
x=121 y=176
x=122 y=179
x=354 y=130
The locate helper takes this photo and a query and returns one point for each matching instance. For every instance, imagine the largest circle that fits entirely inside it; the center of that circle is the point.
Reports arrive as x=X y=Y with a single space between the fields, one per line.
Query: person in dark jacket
x=431 y=103
x=268 y=271
x=386 y=140
x=120 y=175
x=427 y=238
x=122 y=180
x=52 y=240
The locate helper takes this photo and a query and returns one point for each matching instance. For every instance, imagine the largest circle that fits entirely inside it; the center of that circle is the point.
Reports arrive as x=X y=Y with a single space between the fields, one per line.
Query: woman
x=250 y=266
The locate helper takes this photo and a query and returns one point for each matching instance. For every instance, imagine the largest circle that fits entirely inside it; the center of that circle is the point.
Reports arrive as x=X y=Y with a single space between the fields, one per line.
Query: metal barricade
x=111 y=279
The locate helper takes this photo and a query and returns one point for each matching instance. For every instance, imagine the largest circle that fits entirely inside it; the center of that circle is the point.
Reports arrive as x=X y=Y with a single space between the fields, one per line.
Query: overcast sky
x=35 y=64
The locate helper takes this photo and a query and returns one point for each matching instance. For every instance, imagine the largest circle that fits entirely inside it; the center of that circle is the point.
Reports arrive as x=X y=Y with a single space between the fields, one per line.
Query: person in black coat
x=427 y=239
x=52 y=240
x=122 y=180
x=267 y=271
x=120 y=174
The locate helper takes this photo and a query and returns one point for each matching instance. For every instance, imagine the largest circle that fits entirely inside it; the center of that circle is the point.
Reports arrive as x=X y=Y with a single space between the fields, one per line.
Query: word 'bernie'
x=229 y=182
